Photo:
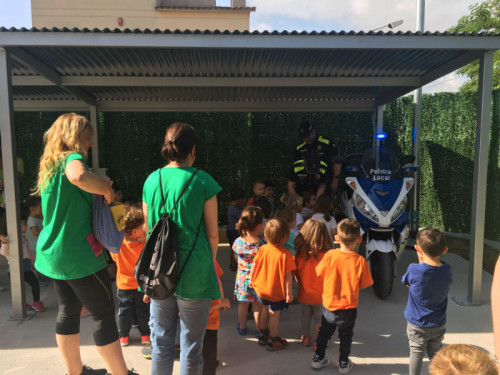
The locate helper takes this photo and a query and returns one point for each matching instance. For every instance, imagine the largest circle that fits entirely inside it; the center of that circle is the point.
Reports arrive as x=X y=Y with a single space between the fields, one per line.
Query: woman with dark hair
x=195 y=216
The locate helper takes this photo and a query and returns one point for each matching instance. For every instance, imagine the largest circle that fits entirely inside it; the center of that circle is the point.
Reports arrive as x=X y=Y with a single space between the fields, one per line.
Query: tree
x=484 y=17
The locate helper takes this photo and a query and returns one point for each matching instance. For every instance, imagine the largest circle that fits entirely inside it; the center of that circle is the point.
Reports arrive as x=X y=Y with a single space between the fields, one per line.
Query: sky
x=319 y=15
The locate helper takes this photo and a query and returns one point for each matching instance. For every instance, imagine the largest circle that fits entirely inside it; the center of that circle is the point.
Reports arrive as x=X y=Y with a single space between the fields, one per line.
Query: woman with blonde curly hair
x=67 y=250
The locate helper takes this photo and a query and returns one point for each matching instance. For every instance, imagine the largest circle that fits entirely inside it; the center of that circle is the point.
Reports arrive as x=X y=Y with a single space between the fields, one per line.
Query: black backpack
x=157 y=269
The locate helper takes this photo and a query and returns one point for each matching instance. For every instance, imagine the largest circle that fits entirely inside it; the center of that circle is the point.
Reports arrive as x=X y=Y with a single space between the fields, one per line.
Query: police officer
x=308 y=178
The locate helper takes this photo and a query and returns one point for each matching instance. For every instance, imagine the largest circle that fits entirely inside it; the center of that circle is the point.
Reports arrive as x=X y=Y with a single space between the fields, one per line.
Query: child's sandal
x=241 y=331
x=263 y=337
x=277 y=344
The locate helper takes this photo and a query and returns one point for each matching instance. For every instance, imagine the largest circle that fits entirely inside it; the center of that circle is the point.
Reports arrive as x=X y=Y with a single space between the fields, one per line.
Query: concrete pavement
x=380 y=343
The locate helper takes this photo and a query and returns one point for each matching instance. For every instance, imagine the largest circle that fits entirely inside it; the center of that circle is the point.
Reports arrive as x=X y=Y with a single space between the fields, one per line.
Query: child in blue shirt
x=429 y=282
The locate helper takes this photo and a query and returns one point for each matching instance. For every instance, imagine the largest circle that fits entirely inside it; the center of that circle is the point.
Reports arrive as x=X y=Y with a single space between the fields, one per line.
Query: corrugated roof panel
x=248 y=63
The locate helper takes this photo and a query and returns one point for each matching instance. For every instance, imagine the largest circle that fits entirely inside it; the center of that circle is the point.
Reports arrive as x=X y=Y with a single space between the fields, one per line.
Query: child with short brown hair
x=344 y=273
x=129 y=297
x=311 y=245
x=461 y=359
x=429 y=282
x=271 y=279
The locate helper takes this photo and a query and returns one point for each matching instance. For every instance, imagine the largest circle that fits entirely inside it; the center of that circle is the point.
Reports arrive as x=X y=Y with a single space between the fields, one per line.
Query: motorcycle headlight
x=399 y=210
x=365 y=209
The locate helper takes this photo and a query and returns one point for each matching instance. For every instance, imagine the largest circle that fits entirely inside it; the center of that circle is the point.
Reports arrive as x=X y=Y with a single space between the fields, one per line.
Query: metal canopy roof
x=153 y=70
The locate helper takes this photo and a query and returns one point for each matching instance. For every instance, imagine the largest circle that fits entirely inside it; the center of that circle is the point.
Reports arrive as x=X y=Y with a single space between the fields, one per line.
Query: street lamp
x=391 y=25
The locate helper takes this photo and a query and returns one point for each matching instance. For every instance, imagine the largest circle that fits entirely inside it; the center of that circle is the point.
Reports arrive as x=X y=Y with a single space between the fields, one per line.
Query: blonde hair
x=461 y=359
x=313 y=239
x=292 y=201
x=60 y=140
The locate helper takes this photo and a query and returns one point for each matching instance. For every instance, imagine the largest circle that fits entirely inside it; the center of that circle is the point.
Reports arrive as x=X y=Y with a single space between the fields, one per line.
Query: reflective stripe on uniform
x=323 y=163
x=322 y=171
x=301 y=145
x=298 y=169
x=323 y=140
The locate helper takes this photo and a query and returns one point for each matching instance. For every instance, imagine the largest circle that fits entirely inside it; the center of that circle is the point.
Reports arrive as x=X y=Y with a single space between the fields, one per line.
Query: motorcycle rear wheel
x=382 y=273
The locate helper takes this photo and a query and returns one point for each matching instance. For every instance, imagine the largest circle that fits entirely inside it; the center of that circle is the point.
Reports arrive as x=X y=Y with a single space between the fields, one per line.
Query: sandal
x=277 y=344
x=263 y=337
x=241 y=331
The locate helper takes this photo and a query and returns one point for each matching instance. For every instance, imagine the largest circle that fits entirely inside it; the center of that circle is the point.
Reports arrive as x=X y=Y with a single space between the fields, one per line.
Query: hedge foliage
x=237 y=148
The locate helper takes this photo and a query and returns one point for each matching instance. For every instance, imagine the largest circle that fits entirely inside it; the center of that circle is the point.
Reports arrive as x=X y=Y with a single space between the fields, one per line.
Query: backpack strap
x=180 y=195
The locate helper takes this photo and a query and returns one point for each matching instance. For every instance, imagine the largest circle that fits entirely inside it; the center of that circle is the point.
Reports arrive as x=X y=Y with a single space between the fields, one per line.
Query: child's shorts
x=273 y=306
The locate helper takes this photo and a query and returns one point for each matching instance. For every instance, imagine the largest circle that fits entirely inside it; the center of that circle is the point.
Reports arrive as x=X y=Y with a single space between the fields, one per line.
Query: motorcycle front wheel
x=382 y=273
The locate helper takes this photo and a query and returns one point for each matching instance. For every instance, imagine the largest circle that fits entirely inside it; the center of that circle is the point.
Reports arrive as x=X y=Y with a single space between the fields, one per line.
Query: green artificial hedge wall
x=237 y=148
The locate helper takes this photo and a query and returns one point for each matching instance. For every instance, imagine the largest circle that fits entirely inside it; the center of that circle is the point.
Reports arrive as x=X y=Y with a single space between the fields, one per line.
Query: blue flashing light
x=381 y=135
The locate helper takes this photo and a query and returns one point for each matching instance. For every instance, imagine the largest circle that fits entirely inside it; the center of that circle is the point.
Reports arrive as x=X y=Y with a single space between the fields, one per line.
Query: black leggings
x=31 y=279
x=93 y=291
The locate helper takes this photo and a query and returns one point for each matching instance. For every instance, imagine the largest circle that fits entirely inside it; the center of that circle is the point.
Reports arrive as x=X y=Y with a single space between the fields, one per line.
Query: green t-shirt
x=198 y=279
x=63 y=251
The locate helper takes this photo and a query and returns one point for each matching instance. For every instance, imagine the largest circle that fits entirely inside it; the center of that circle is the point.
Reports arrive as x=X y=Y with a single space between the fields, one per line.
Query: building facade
x=141 y=14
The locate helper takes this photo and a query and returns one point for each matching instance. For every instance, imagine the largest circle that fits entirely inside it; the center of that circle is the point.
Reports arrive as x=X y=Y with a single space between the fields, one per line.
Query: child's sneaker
x=38 y=306
x=86 y=370
x=319 y=363
x=345 y=367
x=124 y=340
x=28 y=307
x=306 y=340
x=145 y=340
x=146 y=351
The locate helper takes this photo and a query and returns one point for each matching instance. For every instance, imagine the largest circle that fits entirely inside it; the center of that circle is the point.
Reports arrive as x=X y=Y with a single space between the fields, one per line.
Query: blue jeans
x=163 y=323
x=129 y=301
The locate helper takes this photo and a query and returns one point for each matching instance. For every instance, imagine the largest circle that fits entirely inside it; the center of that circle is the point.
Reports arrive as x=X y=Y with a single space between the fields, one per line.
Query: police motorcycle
x=376 y=196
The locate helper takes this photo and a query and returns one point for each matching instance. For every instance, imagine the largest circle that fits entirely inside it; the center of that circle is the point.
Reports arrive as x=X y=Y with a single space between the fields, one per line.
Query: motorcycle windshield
x=387 y=169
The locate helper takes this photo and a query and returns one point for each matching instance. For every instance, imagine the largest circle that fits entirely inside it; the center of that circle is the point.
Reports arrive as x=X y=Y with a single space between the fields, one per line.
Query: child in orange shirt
x=129 y=297
x=311 y=245
x=210 y=340
x=344 y=273
x=271 y=278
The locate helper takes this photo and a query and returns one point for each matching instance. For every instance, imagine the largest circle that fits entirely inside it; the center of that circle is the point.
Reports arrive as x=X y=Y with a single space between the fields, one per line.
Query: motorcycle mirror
x=407 y=159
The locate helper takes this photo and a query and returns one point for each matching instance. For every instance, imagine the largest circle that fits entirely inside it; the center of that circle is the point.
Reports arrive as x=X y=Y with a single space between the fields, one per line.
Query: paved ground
x=380 y=344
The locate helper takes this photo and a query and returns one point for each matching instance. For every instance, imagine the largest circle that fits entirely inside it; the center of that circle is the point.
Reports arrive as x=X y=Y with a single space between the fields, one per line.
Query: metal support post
x=414 y=212
x=378 y=128
x=478 y=214
x=11 y=186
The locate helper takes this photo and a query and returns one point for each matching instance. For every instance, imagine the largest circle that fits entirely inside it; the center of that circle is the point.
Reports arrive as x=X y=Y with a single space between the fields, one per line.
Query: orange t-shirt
x=214 y=316
x=269 y=268
x=250 y=201
x=125 y=264
x=310 y=284
x=343 y=275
